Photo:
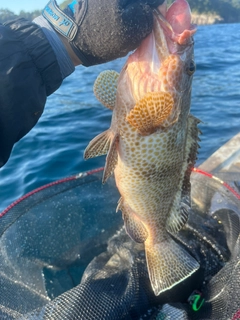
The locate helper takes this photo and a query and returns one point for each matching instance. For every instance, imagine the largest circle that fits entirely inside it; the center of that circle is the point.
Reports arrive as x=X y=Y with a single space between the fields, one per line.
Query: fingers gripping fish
x=152 y=143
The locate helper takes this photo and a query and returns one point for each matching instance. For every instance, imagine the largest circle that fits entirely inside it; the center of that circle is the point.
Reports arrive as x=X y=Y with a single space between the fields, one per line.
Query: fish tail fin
x=168 y=264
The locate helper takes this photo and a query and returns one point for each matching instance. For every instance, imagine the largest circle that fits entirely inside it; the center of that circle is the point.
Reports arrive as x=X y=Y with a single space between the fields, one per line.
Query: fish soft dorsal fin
x=134 y=227
x=179 y=215
x=105 y=88
x=150 y=112
x=111 y=159
x=99 y=145
x=177 y=218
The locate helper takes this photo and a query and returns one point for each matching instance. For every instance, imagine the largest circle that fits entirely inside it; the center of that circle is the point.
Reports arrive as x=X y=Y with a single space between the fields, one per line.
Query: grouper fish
x=152 y=142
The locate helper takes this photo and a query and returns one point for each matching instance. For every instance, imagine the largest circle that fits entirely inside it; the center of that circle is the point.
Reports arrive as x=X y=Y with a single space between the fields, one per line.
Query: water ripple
x=72 y=117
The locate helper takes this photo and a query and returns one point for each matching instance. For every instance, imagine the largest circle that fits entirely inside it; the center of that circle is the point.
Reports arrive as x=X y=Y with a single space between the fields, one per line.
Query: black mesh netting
x=61 y=256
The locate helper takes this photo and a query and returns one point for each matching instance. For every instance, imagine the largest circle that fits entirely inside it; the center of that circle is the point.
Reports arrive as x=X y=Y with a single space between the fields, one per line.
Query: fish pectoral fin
x=105 y=88
x=168 y=264
x=133 y=225
x=99 y=145
x=111 y=159
x=150 y=112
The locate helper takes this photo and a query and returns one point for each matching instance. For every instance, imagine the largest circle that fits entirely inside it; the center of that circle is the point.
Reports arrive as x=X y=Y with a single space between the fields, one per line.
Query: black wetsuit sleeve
x=29 y=72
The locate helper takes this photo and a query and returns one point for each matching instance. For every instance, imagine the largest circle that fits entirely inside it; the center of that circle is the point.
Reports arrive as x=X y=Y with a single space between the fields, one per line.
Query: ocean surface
x=72 y=117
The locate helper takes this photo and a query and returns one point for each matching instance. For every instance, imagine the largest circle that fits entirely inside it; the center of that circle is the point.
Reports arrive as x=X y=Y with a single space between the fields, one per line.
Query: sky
x=27 y=5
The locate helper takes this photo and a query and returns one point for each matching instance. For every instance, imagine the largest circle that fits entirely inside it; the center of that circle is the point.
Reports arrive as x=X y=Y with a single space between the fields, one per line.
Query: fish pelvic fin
x=150 y=112
x=133 y=225
x=105 y=88
x=168 y=264
x=111 y=159
x=99 y=145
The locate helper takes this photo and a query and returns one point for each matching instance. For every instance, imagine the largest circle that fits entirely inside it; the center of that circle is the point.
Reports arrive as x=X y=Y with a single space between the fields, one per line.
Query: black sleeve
x=29 y=72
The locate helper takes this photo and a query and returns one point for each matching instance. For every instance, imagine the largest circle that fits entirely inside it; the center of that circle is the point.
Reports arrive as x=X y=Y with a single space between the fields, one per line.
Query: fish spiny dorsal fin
x=111 y=159
x=105 y=88
x=168 y=264
x=134 y=227
x=150 y=112
x=191 y=154
x=179 y=215
x=99 y=145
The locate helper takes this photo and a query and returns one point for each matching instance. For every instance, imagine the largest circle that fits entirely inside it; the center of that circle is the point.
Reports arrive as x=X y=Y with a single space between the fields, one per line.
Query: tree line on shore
x=6 y=15
x=228 y=10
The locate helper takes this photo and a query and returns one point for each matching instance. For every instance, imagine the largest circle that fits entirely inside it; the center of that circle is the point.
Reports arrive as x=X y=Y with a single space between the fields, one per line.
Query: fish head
x=173 y=34
x=161 y=69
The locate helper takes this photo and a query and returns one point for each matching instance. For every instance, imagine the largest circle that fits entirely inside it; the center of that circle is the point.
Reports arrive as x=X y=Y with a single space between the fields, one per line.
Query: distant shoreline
x=204 y=19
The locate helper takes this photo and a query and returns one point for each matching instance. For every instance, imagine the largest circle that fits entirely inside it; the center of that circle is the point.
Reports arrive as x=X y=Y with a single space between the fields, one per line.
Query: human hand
x=108 y=29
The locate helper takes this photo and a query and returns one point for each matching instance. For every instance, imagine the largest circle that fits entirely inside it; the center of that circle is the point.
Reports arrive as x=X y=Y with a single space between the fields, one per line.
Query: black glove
x=103 y=30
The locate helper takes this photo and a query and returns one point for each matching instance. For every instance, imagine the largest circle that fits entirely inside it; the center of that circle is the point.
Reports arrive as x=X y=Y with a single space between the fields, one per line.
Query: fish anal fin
x=105 y=88
x=99 y=145
x=168 y=264
x=111 y=159
x=150 y=112
x=133 y=225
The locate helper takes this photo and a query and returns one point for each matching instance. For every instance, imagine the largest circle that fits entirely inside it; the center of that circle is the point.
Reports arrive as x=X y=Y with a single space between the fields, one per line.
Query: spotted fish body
x=152 y=143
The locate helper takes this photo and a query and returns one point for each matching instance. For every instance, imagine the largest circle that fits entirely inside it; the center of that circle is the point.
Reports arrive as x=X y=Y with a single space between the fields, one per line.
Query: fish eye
x=191 y=68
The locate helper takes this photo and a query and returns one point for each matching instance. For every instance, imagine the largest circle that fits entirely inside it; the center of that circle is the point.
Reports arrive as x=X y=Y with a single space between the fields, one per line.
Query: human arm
x=35 y=58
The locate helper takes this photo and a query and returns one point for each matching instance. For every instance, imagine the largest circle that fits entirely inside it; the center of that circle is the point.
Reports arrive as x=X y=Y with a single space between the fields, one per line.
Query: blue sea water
x=72 y=117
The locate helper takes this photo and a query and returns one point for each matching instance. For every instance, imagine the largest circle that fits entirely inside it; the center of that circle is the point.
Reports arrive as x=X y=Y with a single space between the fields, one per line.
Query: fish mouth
x=172 y=34
x=164 y=22
x=161 y=62
x=176 y=24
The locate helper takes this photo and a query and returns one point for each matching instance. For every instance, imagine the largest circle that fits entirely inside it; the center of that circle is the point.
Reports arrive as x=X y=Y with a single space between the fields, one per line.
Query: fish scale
x=152 y=144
